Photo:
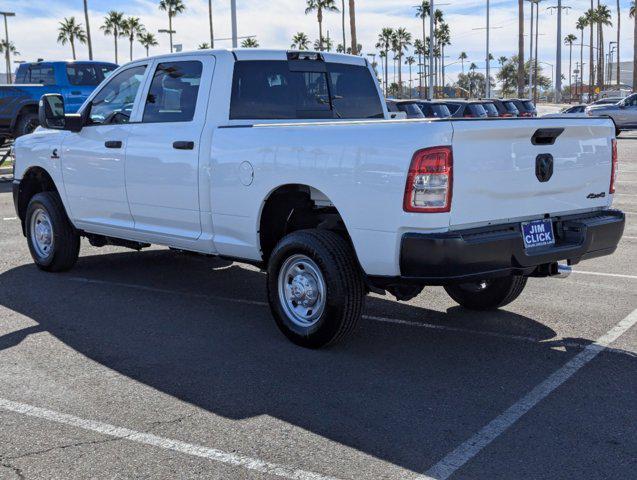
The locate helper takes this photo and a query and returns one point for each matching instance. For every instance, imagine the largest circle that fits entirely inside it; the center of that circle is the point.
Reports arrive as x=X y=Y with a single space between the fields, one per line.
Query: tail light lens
x=468 y=115
x=430 y=181
x=506 y=115
x=613 y=169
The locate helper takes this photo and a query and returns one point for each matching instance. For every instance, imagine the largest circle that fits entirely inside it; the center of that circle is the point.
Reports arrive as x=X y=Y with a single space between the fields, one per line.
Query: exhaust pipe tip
x=563 y=271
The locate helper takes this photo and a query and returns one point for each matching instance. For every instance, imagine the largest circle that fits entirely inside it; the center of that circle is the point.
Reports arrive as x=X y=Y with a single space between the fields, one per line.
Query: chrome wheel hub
x=302 y=290
x=41 y=233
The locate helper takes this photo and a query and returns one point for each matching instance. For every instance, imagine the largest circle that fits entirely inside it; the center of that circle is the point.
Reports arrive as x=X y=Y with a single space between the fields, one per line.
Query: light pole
x=212 y=31
x=488 y=56
x=169 y=32
x=552 y=72
x=432 y=42
x=611 y=52
x=7 y=53
x=233 y=9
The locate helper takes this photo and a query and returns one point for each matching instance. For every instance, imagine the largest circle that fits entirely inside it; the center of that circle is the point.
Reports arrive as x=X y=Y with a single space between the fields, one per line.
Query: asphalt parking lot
x=163 y=365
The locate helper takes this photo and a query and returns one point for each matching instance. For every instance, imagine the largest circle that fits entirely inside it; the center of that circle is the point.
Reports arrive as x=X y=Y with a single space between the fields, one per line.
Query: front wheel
x=53 y=242
x=487 y=294
x=315 y=288
x=27 y=123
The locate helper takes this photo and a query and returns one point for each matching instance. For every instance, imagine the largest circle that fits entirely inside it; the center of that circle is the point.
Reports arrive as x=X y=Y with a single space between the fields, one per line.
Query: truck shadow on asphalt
x=403 y=394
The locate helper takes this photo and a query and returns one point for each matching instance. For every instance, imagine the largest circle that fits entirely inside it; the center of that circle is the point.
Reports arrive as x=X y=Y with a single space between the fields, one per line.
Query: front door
x=93 y=159
x=163 y=148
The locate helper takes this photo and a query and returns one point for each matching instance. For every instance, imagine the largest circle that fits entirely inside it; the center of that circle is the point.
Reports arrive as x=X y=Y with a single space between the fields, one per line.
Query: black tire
x=65 y=245
x=490 y=295
x=344 y=292
x=26 y=124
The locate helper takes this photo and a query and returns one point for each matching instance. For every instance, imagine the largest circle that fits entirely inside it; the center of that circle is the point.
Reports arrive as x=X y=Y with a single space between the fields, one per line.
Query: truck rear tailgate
x=501 y=172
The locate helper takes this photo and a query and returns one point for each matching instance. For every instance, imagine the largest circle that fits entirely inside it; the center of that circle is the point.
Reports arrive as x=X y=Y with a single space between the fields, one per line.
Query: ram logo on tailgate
x=544 y=167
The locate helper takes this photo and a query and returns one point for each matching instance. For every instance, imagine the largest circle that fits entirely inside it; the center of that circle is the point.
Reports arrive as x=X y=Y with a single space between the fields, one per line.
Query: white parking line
x=625 y=195
x=470 y=448
x=601 y=274
x=213 y=454
x=6 y=219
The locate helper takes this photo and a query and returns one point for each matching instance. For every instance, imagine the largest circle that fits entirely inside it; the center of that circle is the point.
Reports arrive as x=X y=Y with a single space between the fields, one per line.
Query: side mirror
x=51 y=111
x=51 y=114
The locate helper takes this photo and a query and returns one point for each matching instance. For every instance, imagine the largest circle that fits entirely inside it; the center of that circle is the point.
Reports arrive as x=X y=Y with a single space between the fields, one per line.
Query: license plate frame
x=537 y=233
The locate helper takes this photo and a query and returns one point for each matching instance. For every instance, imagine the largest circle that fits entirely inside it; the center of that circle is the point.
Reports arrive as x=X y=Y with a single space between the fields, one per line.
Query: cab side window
x=114 y=103
x=173 y=92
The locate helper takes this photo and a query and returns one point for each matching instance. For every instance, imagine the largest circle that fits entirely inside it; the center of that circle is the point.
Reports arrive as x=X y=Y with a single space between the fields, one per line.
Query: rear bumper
x=438 y=259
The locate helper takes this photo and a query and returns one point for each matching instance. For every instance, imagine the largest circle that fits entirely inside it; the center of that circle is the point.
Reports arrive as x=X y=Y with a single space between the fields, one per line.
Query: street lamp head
x=8 y=14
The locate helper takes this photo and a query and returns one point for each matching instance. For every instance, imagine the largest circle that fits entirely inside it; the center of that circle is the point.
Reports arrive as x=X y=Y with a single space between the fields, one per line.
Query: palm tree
x=250 y=43
x=403 y=41
x=581 y=25
x=173 y=8
x=419 y=49
x=113 y=26
x=472 y=73
x=356 y=50
x=385 y=40
x=603 y=19
x=88 y=31
x=147 y=40
x=203 y=46
x=632 y=10
x=462 y=58
x=132 y=27
x=300 y=41
x=327 y=44
x=319 y=6
x=69 y=31
x=569 y=40
x=590 y=22
x=410 y=61
x=422 y=12
x=521 y=75
x=444 y=35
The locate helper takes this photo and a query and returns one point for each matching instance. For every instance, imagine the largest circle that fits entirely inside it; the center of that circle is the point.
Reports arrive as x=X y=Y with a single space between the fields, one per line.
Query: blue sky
x=274 y=22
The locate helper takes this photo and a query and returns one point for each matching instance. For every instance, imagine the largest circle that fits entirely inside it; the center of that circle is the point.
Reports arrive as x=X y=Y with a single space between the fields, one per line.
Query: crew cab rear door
x=513 y=169
x=163 y=148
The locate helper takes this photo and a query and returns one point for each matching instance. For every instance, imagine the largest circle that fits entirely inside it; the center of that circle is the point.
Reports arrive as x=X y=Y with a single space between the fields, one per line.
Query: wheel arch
x=25 y=108
x=35 y=180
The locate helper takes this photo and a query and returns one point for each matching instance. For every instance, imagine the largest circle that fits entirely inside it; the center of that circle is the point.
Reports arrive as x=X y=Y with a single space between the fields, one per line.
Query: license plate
x=538 y=233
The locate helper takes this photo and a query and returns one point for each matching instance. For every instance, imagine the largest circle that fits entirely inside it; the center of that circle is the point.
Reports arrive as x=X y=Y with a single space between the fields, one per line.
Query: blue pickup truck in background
x=73 y=80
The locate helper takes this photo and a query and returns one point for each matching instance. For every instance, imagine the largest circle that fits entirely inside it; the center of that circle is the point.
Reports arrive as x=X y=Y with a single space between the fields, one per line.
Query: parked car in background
x=409 y=107
x=506 y=108
x=526 y=107
x=466 y=108
x=283 y=159
x=608 y=101
x=75 y=81
x=491 y=109
x=574 y=111
x=434 y=109
x=624 y=113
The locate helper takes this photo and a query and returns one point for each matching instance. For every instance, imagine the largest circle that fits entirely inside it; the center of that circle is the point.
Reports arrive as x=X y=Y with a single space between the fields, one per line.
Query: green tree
x=300 y=41
x=462 y=57
x=132 y=27
x=147 y=40
x=327 y=44
x=570 y=40
x=320 y=6
x=113 y=26
x=402 y=44
x=203 y=46
x=69 y=31
x=385 y=43
x=173 y=8
x=250 y=43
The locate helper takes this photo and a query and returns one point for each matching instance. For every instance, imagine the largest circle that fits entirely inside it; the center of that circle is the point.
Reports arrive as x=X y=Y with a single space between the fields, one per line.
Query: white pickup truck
x=290 y=161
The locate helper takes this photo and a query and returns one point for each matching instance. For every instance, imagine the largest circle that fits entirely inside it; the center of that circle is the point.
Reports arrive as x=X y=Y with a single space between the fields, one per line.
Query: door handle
x=113 y=144
x=184 y=145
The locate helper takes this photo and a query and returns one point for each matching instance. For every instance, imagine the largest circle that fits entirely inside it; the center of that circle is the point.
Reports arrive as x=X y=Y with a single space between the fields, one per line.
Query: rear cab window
x=510 y=106
x=411 y=109
x=528 y=105
x=490 y=109
x=36 y=74
x=477 y=110
x=272 y=90
x=88 y=74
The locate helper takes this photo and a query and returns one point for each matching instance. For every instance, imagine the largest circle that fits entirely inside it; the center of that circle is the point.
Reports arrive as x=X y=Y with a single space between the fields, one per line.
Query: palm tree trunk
x=131 y=47
x=115 y=35
x=170 y=30
x=581 y=68
x=343 y=25
x=601 y=68
x=212 y=31
x=147 y=51
x=619 y=28
x=520 y=49
x=400 y=73
x=319 y=16
x=88 y=31
x=410 y=80
x=352 y=27
x=73 y=47
x=570 y=73
x=386 y=69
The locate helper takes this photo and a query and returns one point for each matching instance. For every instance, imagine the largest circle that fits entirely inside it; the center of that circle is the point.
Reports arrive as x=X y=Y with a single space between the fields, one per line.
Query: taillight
x=613 y=168
x=468 y=115
x=506 y=115
x=430 y=181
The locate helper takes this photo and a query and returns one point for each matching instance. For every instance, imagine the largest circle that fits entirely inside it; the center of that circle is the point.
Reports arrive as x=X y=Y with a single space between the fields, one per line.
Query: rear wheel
x=27 y=123
x=53 y=242
x=315 y=288
x=487 y=294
